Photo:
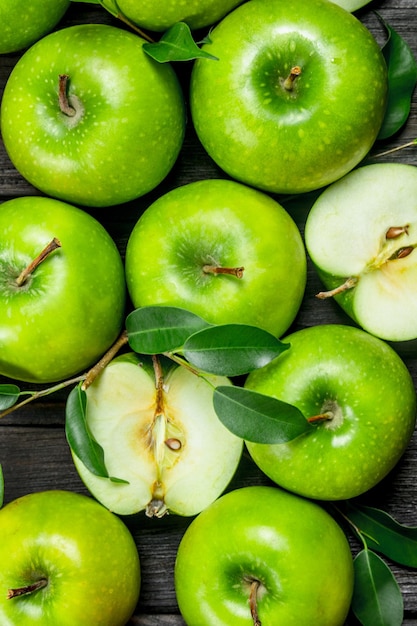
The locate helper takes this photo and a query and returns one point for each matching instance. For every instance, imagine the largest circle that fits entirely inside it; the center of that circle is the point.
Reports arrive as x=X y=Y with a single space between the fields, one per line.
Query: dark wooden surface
x=33 y=449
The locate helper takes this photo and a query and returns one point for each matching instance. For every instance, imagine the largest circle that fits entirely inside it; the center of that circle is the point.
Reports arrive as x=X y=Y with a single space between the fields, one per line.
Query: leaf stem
x=396 y=149
x=105 y=360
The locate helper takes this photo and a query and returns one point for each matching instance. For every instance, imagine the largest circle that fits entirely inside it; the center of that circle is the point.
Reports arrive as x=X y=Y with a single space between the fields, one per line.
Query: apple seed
x=396 y=231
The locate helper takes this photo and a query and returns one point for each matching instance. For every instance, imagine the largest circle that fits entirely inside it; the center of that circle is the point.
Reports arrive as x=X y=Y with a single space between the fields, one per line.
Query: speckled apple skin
x=129 y=125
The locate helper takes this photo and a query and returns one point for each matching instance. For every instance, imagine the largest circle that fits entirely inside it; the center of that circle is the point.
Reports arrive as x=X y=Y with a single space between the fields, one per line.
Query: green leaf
x=257 y=417
x=402 y=79
x=377 y=598
x=232 y=349
x=9 y=395
x=1 y=486
x=79 y=437
x=384 y=534
x=176 y=44
x=159 y=329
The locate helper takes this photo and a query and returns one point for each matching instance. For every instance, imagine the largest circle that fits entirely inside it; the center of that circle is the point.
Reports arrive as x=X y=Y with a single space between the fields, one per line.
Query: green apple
x=22 y=23
x=165 y=13
x=360 y=399
x=260 y=555
x=67 y=561
x=159 y=432
x=297 y=97
x=221 y=250
x=60 y=314
x=89 y=118
x=361 y=234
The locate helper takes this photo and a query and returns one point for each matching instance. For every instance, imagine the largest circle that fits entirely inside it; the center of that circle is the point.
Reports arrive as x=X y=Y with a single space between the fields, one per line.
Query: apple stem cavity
x=348 y=284
x=21 y=591
x=289 y=82
x=64 y=104
x=230 y=271
x=24 y=274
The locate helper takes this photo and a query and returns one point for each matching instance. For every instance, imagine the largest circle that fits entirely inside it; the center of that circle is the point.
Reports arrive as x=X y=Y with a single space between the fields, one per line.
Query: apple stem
x=24 y=274
x=104 y=361
x=231 y=271
x=348 y=284
x=255 y=584
x=322 y=417
x=288 y=83
x=21 y=591
x=63 y=101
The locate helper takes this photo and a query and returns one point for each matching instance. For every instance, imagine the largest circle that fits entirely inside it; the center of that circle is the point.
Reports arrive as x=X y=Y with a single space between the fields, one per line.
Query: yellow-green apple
x=165 y=13
x=260 y=555
x=62 y=289
x=222 y=250
x=22 y=23
x=65 y=560
x=296 y=98
x=88 y=117
x=360 y=399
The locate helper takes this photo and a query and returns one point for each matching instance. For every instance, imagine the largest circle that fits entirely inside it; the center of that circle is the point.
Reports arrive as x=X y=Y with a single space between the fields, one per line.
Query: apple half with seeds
x=161 y=435
x=361 y=234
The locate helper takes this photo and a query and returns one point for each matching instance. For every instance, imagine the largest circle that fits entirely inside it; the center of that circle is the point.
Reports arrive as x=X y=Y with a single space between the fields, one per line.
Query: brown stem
x=348 y=284
x=231 y=271
x=104 y=361
x=63 y=101
x=288 y=83
x=255 y=584
x=322 y=417
x=21 y=591
x=24 y=274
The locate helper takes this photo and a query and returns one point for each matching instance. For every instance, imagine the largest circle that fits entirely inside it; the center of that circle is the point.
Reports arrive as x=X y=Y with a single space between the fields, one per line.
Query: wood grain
x=33 y=448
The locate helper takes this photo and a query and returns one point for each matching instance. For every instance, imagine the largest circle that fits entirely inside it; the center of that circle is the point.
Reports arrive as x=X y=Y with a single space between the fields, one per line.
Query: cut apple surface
x=361 y=235
x=161 y=435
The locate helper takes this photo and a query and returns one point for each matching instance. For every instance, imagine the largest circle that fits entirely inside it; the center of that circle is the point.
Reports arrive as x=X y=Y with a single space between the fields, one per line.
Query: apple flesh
x=22 y=23
x=297 y=97
x=161 y=434
x=65 y=560
x=361 y=234
x=164 y=14
x=262 y=551
x=221 y=250
x=89 y=118
x=68 y=310
x=361 y=397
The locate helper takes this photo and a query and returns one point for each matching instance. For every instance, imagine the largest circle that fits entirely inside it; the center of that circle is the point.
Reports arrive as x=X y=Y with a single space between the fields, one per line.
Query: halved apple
x=361 y=234
x=160 y=434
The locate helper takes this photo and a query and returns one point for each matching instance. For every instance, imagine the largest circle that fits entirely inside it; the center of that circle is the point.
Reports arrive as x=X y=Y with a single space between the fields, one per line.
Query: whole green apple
x=22 y=23
x=89 y=118
x=360 y=399
x=159 y=16
x=58 y=316
x=221 y=250
x=260 y=555
x=361 y=236
x=65 y=560
x=159 y=432
x=297 y=97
